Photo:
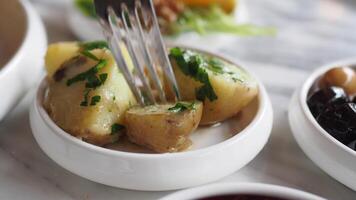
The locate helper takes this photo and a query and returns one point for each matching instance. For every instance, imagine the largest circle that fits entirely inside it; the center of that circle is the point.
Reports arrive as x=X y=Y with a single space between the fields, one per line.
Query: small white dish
x=23 y=43
x=241 y=188
x=217 y=151
x=325 y=151
x=87 y=28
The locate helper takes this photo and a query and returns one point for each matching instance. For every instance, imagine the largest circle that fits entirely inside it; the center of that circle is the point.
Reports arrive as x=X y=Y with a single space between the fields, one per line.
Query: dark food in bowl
x=339 y=121
x=242 y=197
x=326 y=97
x=334 y=106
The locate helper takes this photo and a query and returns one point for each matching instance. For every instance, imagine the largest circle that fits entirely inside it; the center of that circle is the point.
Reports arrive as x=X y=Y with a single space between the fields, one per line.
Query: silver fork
x=132 y=24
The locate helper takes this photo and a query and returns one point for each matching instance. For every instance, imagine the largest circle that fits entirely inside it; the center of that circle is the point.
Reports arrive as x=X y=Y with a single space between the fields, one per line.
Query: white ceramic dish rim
x=262 y=101
x=304 y=94
x=241 y=188
x=16 y=57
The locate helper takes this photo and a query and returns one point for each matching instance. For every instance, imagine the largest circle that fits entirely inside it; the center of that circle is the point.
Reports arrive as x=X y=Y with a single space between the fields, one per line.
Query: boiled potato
x=58 y=53
x=227 y=88
x=84 y=107
x=163 y=128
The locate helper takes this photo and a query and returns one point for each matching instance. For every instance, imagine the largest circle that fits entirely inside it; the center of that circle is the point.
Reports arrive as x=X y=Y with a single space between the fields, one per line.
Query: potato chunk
x=58 y=53
x=224 y=88
x=86 y=97
x=163 y=128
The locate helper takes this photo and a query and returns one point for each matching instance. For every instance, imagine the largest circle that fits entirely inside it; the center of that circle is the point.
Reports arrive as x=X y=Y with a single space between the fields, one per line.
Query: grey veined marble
x=310 y=33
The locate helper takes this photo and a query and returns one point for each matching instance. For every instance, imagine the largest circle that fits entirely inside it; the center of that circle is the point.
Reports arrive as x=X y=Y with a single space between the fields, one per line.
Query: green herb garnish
x=87 y=74
x=216 y=66
x=92 y=82
x=86 y=7
x=86 y=96
x=117 y=128
x=88 y=46
x=89 y=55
x=90 y=76
x=182 y=106
x=192 y=64
x=94 y=100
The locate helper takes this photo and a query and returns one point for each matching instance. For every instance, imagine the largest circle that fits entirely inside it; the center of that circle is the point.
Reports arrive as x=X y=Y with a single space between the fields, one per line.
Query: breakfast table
x=310 y=34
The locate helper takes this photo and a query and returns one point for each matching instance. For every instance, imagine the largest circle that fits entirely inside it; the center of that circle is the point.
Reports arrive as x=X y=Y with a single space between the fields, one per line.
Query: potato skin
x=161 y=130
x=232 y=95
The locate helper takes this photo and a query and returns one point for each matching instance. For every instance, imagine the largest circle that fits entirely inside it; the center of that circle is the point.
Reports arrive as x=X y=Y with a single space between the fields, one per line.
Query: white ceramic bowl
x=22 y=46
x=87 y=28
x=336 y=159
x=241 y=188
x=217 y=151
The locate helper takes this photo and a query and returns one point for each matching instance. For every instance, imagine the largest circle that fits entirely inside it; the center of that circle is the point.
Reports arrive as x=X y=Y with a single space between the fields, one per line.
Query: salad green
x=202 y=20
x=214 y=19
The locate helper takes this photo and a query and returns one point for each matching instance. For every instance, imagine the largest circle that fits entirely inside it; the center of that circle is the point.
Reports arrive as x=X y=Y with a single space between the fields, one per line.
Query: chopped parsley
x=216 y=66
x=182 y=106
x=95 y=99
x=86 y=96
x=88 y=46
x=89 y=55
x=192 y=64
x=92 y=80
x=87 y=75
x=117 y=128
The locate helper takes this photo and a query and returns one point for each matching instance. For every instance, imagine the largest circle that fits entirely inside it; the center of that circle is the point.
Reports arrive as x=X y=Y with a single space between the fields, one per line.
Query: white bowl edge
x=241 y=188
x=151 y=172
x=26 y=64
x=326 y=152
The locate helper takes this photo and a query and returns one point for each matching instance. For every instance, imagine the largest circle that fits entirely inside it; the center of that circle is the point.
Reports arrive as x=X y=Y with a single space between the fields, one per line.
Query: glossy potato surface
x=232 y=94
x=161 y=130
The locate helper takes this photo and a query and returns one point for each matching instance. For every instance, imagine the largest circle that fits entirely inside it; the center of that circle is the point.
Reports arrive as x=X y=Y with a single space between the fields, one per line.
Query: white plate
x=329 y=154
x=241 y=188
x=217 y=151
x=23 y=43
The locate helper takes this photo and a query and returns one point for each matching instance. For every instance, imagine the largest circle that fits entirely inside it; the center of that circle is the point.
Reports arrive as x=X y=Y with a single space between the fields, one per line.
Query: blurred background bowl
x=87 y=28
x=23 y=43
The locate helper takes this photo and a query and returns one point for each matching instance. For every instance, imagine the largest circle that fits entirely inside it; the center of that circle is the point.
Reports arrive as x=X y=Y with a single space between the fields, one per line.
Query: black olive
x=324 y=98
x=340 y=122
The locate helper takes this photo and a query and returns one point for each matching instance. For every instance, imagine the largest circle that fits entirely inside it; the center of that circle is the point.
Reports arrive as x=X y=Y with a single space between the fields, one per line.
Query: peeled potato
x=92 y=123
x=58 y=53
x=227 y=5
x=232 y=94
x=161 y=130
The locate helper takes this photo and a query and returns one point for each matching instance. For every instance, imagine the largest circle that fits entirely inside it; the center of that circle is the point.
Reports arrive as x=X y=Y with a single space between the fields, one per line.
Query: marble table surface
x=311 y=33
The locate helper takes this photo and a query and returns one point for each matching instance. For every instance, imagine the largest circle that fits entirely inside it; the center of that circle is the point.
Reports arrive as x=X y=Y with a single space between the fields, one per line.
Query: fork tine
x=138 y=31
x=114 y=44
x=139 y=67
x=161 y=53
x=147 y=55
